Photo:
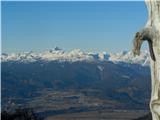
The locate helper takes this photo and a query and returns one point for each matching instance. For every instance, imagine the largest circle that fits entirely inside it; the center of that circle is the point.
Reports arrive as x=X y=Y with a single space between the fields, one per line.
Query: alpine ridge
x=74 y=55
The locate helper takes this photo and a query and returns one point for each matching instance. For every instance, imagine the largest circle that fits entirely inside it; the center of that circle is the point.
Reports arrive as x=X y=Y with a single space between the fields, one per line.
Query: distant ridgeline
x=58 y=54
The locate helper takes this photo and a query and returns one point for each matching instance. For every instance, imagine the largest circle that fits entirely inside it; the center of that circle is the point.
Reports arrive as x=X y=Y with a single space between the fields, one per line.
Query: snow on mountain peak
x=77 y=55
x=130 y=58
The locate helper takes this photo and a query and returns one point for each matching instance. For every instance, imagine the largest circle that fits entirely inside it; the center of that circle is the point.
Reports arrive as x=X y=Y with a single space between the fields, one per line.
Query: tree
x=151 y=33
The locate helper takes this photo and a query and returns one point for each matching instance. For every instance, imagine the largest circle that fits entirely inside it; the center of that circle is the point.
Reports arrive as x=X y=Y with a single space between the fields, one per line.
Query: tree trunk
x=151 y=33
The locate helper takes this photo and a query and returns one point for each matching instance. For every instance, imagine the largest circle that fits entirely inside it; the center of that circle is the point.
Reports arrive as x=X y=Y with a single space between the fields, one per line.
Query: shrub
x=20 y=114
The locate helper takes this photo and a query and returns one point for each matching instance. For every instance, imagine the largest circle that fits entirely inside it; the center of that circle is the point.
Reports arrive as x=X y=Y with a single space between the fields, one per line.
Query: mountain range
x=57 y=81
x=74 y=55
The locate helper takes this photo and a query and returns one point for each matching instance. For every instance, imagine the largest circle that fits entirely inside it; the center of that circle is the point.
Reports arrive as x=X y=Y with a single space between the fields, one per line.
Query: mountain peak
x=57 y=48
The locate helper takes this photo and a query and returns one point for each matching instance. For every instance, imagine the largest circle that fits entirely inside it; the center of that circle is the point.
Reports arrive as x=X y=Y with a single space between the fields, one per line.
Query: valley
x=65 y=89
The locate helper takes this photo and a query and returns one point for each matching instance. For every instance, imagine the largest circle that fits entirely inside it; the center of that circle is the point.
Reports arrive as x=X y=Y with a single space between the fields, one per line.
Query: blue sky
x=90 y=26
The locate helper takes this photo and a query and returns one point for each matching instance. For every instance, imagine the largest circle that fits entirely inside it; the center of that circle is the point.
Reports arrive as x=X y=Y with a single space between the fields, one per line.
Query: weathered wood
x=151 y=33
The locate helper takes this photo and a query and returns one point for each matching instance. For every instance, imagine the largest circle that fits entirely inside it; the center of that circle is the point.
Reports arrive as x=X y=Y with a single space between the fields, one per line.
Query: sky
x=90 y=26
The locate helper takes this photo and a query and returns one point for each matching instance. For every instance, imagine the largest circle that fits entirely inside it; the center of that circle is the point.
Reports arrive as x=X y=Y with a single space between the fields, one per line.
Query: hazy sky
x=90 y=26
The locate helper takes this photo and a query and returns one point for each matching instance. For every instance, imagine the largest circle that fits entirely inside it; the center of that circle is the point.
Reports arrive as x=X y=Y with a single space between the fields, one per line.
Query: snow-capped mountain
x=58 y=54
x=105 y=76
x=128 y=57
